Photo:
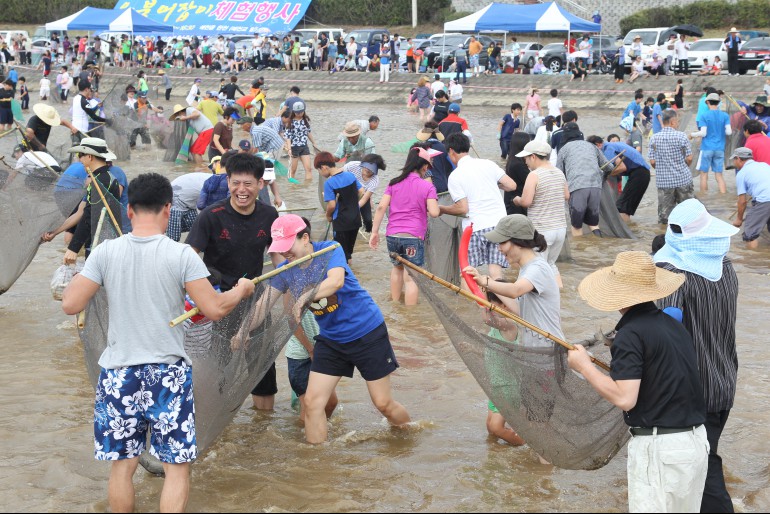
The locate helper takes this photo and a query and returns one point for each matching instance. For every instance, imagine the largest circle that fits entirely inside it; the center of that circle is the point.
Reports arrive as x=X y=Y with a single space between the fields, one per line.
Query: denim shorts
x=299 y=151
x=134 y=399
x=299 y=374
x=410 y=248
x=711 y=160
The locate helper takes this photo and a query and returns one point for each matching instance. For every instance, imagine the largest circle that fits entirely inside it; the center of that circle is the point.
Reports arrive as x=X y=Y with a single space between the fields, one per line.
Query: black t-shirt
x=5 y=93
x=518 y=171
x=652 y=346
x=496 y=52
x=233 y=244
x=41 y=129
x=440 y=168
x=440 y=111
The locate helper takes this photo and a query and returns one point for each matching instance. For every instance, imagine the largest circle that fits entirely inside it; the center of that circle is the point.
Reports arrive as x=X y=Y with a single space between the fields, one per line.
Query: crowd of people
x=549 y=165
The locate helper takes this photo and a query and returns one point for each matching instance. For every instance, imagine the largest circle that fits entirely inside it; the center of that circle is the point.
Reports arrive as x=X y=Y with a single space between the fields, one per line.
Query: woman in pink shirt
x=533 y=104
x=410 y=198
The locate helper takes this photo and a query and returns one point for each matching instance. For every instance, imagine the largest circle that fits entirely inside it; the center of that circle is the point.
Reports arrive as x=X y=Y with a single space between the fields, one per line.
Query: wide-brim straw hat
x=94 y=146
x=178 y=109
x=631 y=280
x=425 y=134
x=352 y=130
x=47 y=114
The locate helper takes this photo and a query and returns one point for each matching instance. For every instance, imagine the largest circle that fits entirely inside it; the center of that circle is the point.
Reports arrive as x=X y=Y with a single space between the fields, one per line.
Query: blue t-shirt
x=343 y=187
x=347 y=315
x=715 y=122
x=74 y=177
x=703 y=108
x=754 y=180
x=634 y=159
x=657 y=110
x=633 y=109
x=509 y=126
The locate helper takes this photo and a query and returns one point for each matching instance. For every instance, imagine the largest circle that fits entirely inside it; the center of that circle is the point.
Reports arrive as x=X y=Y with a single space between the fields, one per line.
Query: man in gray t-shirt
x=582 y=163
x=146 y=376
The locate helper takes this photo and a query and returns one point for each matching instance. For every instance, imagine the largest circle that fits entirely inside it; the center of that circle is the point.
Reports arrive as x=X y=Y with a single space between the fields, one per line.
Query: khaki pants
x=295 y=62
x=667 y=473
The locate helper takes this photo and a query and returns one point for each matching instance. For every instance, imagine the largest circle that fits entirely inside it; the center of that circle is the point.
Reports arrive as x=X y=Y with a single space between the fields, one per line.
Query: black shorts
x=371 y=354
x=299 y=151
x=126 y=57
x=6 y=116
x=268 y=386
x=584 y=206
x=409 y=59
x=347 y=240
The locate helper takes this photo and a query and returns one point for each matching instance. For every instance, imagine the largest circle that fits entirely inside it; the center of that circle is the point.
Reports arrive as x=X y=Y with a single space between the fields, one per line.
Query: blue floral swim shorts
x=131 y=400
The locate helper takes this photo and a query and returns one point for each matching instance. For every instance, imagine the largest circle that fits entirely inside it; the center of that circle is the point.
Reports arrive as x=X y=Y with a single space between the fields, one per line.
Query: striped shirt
x=709 y=311
x=669 y=148
x=547 y=211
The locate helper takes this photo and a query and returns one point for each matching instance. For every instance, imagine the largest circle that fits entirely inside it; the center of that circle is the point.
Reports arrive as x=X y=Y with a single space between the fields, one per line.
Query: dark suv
x=371 y=39
x=441 y=52
x=555 y=56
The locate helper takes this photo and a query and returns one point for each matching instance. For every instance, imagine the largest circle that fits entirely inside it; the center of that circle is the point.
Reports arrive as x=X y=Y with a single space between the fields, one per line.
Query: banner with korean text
x=222 y=16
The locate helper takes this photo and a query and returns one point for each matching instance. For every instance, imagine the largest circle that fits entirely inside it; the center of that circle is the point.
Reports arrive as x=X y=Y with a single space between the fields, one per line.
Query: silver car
x=527 y=53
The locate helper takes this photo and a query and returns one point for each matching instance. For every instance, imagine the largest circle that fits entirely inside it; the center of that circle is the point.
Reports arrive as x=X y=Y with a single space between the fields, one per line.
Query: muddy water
x=445 y=463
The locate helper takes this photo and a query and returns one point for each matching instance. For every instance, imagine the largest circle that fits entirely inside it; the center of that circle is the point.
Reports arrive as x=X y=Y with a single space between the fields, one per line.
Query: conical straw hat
x=47 y=114
x=633 y=279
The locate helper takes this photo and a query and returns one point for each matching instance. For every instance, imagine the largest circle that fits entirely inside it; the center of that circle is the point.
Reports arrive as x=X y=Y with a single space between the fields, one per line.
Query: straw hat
x=424 y=134
x=161 y=72
x=632 y=280
x=733 y=30
x=352 y=129
x=94 y=146
x=47 y=114
x=178 y=109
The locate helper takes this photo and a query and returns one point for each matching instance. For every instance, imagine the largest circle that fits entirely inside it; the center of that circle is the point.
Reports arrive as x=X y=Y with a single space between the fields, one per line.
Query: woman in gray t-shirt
x=536 y=287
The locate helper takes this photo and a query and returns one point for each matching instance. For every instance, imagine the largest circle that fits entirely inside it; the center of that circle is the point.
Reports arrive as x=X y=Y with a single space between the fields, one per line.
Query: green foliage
x=27 y=12
x=368 y=13
x=708 y=14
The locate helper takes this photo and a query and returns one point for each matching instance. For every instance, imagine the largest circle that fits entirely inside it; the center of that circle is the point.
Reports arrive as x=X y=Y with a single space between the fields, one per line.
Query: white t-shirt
x=476 y=180
x=187 y=189
x=437 y=86
x=132 y=270
x=681 y=47
x=554 y=107
x=455 y=92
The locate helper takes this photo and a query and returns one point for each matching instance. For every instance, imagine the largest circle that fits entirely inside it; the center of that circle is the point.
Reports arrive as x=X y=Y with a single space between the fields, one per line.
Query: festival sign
x=222 y=17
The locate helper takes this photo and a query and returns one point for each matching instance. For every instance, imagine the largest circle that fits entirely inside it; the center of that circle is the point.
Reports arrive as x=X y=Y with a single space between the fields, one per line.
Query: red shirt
x=760 y=146
x=453 y=117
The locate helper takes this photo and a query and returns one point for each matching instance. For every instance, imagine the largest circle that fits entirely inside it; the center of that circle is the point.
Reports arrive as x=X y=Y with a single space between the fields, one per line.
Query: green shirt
x=294 y=349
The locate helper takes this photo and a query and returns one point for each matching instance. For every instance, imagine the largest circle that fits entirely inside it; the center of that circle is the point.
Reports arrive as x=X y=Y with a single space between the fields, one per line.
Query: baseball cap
x=298 y=107
x=713 y=97
x=514 y=226
x=742 y=153
x=244 y=120
x=540 y=148
x=284 y=231
x=453 y=107
x=245 y=145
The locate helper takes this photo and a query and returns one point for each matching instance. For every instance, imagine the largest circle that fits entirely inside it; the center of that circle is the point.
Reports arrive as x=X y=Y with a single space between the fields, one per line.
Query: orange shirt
x=475 y=47
x=245 y=99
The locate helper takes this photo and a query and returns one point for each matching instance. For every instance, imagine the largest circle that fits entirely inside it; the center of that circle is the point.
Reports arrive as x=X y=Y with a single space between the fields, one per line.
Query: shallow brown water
x=445 y=463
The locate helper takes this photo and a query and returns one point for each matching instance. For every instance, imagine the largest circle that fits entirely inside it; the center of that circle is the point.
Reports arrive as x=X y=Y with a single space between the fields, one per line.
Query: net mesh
x=226 y=366
x=555 y=411
x=442 y=243
x=32 y=201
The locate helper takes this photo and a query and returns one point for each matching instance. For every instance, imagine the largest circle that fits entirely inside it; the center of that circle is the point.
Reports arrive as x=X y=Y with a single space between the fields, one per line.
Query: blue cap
x=453 y=107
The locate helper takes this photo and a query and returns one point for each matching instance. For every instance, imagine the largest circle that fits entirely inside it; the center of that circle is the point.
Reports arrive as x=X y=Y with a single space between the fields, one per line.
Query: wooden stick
x=7 y=132
x=104 y=201
x=34 y=153
x=82 y=319
x=493 y=308
x=736 y=104
x=195 y=311
x=82 y=314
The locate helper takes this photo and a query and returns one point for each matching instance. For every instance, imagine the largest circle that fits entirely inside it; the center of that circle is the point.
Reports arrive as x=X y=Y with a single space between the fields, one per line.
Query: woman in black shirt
x=518 y=171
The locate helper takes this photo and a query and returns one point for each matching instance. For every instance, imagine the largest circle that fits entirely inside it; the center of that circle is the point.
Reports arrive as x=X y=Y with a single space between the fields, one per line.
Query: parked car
x=371 y=39
x=652 y=41
x=441 y=53
x=706 y=49
x=527 y=53
x=555 y=55
x=752 y=53
x=748 y=34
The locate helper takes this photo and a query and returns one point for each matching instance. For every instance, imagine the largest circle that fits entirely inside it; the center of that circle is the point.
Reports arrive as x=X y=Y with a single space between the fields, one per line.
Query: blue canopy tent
x=110 y=20
x=545 y=17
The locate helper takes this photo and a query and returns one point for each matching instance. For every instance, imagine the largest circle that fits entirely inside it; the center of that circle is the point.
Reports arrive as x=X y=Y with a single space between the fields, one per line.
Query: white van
x=653 y=40
x=7 y=35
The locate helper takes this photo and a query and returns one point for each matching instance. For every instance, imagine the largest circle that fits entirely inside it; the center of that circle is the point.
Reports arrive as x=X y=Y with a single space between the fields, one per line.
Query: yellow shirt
x=211 y=109
x=475 y=47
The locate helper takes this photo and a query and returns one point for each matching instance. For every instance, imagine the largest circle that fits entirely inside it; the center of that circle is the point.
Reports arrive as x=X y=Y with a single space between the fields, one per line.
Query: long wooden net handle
x=195 y=311
x=494 y=308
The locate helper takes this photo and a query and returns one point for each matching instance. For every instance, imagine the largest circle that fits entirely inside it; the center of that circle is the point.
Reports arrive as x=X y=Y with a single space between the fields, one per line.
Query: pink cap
x=428 y=153
x=284 y=231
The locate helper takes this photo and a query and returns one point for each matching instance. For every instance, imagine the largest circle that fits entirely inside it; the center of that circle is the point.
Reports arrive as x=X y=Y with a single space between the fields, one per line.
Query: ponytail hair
x=537 y=243
x=413 y=163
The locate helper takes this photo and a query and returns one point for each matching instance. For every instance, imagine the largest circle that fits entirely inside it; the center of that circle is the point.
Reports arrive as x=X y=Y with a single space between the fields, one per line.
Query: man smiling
x=233 y=235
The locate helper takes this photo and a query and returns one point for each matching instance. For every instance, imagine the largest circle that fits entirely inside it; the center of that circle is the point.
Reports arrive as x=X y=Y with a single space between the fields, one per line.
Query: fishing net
x=442 y=243
x=737 y=120
x=226 y=367
x=174 y=141
x=32 y=201
x=558 y=414
x=610 y=222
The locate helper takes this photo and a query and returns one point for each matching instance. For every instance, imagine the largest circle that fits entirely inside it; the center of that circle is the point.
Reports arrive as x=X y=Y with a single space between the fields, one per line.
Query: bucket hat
x=94 y=146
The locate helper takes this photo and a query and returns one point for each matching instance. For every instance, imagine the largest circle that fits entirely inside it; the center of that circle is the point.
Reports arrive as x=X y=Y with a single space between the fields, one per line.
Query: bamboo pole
x=104 y=201
x=195 y=311
x=24 y=138
x=494 y=308
x=736 y=104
